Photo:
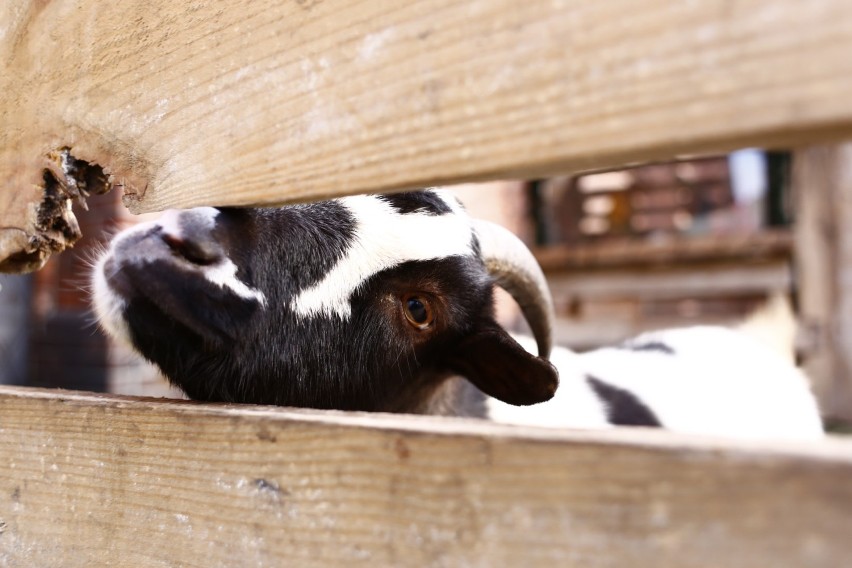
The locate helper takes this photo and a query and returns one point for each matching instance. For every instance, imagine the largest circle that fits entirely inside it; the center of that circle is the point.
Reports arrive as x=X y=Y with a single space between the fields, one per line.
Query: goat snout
x=202 y=249
x=189 y=235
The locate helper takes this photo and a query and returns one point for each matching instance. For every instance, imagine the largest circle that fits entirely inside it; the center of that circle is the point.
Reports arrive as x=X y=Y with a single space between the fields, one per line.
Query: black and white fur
x=698 y=380
x=305 y=305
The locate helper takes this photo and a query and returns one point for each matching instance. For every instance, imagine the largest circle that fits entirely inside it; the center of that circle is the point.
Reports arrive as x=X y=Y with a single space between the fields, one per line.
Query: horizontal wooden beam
x=89 y=480
x=261 y=101
x=713 y=280
x=631 y=252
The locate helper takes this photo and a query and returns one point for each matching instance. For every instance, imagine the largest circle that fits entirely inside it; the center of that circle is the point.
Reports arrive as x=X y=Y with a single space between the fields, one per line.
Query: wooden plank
x=717 y=279
x=842 y=309
x=591 y=331
x=813 y=192
x=823 y=195
x=622 y=253
x=91 y=480
x=598 y=304
x=261 y=101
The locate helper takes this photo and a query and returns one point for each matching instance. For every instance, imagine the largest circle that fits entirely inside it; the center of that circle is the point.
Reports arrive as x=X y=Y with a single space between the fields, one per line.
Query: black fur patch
x=622 y=407
x=285 y=249
x=475 y=246
x=417 y=202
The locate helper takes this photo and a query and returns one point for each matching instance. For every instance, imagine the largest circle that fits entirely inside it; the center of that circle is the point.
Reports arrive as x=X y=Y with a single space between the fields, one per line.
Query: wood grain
x=262 y=101
x=823 y=195
x=89 y=480
x=661 y=252
x=713 y=280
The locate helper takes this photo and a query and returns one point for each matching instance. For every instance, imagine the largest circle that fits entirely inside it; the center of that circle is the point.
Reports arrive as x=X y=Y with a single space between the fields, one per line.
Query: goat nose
x=190 y=235
x=196 y=252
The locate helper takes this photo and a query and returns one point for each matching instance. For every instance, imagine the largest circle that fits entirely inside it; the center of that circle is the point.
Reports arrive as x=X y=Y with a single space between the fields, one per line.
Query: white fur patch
x=717 y=382
x=384 y=238
x=109 y=306
x=224 y=274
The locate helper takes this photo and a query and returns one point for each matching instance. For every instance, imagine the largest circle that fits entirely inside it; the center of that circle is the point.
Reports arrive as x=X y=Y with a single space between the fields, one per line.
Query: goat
x=374 y=303
x=699 y=380
x=360 y=303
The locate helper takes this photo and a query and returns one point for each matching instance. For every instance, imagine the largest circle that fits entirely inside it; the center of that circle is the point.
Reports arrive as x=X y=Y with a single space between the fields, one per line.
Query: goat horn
x=516 y=270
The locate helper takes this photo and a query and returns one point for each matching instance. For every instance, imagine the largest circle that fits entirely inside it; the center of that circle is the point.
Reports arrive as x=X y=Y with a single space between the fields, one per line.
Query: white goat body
x=707 y=380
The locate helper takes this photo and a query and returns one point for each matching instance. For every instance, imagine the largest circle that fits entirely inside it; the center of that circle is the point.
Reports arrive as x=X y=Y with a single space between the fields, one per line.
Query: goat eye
x=418 y=312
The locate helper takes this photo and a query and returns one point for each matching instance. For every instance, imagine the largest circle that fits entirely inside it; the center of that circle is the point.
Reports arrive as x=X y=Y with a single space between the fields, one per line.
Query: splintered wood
x=92 y=481
x=262 y=101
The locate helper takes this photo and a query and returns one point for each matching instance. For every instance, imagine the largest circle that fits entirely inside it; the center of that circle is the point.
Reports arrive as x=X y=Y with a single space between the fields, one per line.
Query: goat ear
x=501 y=368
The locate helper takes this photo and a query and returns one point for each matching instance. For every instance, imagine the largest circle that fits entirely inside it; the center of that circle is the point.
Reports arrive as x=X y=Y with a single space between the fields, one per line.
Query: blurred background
x=699 y=240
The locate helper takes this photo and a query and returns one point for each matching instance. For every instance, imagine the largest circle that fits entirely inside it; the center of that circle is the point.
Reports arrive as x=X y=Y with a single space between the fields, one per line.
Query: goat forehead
x=384 y=238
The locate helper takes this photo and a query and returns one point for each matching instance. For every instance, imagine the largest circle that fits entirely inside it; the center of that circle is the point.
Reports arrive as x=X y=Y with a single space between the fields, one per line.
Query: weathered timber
x=713 y=279
x=822 y=180
x=89 y=480
x=262 y=101
x=692 y=250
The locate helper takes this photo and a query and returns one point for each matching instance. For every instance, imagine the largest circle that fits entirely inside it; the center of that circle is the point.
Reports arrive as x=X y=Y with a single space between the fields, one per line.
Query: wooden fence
x=261 y=101
x=97 y=480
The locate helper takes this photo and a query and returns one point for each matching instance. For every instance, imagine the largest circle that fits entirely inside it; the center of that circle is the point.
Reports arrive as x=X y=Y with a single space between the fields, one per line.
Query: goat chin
x=735 y=382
